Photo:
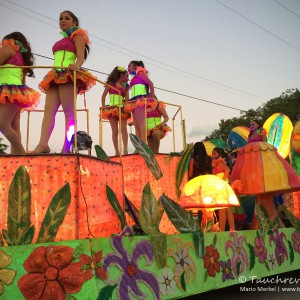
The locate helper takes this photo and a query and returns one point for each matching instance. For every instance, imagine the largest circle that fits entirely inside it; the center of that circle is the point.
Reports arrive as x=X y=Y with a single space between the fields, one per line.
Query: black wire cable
x=286 y=8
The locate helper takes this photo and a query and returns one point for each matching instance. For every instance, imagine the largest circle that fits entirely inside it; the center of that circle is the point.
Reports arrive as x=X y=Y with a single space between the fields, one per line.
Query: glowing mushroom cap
x=207 y=191
x=261 y=170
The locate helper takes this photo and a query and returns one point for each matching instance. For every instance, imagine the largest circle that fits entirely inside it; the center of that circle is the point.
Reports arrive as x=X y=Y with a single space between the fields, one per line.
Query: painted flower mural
x=98 y=266
x=211 y=260
x=226 y=270
x=7 y=275
x=166 y=281
x=260 y=249
x=52 y=274
x=280 y=248
x=239 y=259
x=184 y=262
x=296 y=241
x=128 y=264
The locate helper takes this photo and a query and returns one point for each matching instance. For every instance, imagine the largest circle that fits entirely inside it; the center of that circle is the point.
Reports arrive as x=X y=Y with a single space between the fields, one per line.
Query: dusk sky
x=236 y=53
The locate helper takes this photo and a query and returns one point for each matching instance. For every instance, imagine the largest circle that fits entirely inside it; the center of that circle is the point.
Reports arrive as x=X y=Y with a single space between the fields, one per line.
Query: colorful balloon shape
x=279 y=128
x=211 y=144
x=238 y=137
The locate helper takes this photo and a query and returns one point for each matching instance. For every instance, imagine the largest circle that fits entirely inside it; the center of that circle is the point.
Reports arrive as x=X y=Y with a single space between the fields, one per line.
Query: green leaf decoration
x=182 y=281
x=267 y=266
x=70 y=297
x=183 y=221
x=291 y=250
x=252 y=256
x=131 y=210
x=1 y=240
x=238 y=267
x=215 y=240
x=101 y=153
x=147 y=154
x=28 y=237
x=263 y=218
x=205 y=275
x=106 y=292
x=19 y=197
x=292 y=218
x=198 y=241
x=150 y=214
x=182 y=167
x=7 y=238
x=209 y=225
x=114 y=202
x=276 y=223
x=55 y=215
x=159 y=244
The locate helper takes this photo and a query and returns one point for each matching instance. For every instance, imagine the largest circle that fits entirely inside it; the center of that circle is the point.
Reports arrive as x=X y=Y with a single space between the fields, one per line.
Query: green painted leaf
x=70 y=297
x=182 y=167
x=131 y=210
x=149 y=211
x=182 y=281
x=55 y=215
x=267 y=266
x=18 y=214
x=215 y=240
x=276 y=223
x=292 y=218
x=263 y=218
x=198 y=241
x=238 y=267
x=106 y=292
x=159 y=244
x=147 y=154
x=7 y=237
x=183 y=221
x=252 y=256
x=101 y=153
x=114 y=202
x=28 y=237
x=209 y=225
x=205 y=275
x=291 y=250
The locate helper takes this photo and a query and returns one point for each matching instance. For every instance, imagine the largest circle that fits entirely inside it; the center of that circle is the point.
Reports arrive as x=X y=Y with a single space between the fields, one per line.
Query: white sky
x=198 y=48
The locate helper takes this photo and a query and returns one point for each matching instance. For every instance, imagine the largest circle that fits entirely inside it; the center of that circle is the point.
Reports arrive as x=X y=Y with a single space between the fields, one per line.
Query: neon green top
x=115 y=99
x=62 y=58
x=11 y=75
x=153 y=122
x=138 y=89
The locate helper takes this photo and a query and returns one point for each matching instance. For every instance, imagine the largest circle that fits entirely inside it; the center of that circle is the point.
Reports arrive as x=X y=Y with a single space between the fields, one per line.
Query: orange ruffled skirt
x=139 y=102
x=165 y=130
x=84 y=80
x=21 y=95
x=113 y=112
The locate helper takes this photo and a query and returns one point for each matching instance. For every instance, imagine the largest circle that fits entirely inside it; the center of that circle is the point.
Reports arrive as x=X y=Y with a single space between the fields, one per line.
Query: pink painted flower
x=280 y=249
x=260 y=249
x=296 y=241
x=239 y=254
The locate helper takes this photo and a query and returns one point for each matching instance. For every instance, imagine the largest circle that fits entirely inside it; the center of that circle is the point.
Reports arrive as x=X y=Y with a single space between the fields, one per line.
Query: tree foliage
x=287 y=103
x=3 y=147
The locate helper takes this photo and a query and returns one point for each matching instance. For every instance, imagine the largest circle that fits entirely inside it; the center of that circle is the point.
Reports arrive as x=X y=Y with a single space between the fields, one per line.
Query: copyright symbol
x=242 y=279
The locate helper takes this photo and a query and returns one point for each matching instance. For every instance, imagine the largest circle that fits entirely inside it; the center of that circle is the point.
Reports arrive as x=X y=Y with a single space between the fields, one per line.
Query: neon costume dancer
x=257 y=134
x=140 y=85
x=14 y=94
x=157 y=128
x=70 y=53
x=118 y=80
x=221 y=169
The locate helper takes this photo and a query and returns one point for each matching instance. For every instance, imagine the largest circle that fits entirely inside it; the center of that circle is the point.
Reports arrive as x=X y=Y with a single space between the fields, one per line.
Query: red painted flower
x=52 y=274
x=211 y=260
x=98 y=265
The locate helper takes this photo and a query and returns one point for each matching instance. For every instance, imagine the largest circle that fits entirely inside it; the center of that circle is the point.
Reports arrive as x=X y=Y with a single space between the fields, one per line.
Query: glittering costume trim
x=113 y=112
x=139 y=101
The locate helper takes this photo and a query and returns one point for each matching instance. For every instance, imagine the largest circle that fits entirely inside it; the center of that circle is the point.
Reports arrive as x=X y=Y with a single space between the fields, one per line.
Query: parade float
x=77 y=226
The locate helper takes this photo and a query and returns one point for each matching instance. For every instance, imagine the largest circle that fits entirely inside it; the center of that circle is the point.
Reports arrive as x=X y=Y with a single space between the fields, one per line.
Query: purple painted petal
x=142 y=248
x=223 y=264
x=224 y=277
x=112 y=259
x=230 y=275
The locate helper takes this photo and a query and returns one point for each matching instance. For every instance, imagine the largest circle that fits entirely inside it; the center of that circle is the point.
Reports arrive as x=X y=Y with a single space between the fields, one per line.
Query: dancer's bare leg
x=157 y=135
x=141 y=122
x=124 y=136
x=17 y=128
x=114 y=134
x=66 y=96
x=8 y=111
x=51 y=106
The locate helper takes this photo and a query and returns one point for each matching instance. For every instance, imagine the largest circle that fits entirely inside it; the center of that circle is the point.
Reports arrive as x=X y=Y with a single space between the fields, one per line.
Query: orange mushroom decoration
x=263 y=172
x=207 y=192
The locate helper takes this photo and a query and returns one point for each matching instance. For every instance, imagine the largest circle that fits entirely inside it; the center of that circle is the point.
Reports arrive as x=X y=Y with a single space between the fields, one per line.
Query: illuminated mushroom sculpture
x=263 y=172
x=207 y=192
